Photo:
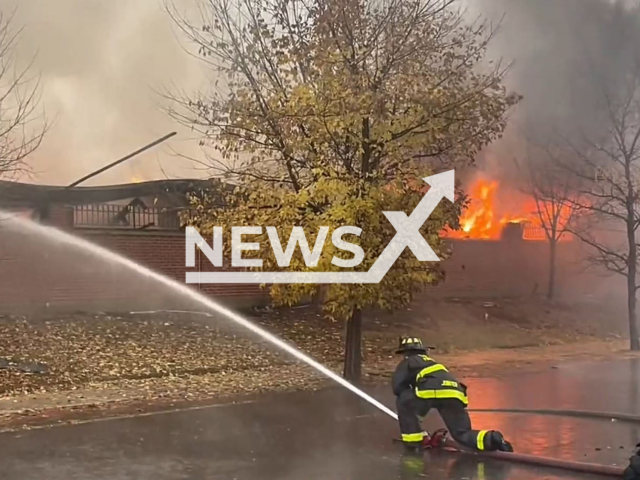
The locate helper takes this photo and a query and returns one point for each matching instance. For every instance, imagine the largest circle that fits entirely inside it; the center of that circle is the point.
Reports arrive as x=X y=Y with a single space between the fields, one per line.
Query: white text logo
x=407 y=235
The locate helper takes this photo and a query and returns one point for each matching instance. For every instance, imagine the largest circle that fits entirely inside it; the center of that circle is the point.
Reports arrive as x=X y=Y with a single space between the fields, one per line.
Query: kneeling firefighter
x=420 y=384
x=632 y=472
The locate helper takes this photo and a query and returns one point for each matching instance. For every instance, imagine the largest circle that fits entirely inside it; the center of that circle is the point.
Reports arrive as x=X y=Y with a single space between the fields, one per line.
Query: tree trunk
x=631 y=304
x=551 y=286
x=318 y=297
x=632 y=269
x=353 y=348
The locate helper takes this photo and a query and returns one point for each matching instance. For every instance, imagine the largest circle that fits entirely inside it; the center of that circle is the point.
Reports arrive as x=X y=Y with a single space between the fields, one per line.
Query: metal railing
x=134 y=217
x=537 y=232
x=533 y=232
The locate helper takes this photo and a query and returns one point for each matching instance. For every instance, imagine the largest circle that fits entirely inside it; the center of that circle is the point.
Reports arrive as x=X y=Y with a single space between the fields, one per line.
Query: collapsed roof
x=172 y=191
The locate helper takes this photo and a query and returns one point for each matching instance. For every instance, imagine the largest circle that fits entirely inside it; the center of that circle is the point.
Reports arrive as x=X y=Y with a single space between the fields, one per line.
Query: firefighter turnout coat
x=428 y=379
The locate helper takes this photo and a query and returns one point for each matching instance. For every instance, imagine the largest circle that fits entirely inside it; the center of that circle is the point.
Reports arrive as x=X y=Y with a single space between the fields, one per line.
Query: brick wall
x=494 y=268
x=60 y=277
x=59 y=215
x=521 y=268
x=36 y=276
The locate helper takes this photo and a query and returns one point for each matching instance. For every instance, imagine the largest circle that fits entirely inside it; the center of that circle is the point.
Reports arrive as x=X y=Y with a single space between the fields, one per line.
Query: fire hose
x=570 y=465
x=622 y=417
x=574 y=466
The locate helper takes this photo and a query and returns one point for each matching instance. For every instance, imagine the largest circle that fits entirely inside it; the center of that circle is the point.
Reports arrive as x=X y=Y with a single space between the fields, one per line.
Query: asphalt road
x=333 y=435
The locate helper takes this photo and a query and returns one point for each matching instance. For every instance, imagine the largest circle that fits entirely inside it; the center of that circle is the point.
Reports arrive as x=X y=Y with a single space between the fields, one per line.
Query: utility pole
x=123 y=159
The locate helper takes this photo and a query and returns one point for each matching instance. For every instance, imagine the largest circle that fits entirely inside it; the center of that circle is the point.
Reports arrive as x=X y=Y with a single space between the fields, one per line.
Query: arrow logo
x=407 y=235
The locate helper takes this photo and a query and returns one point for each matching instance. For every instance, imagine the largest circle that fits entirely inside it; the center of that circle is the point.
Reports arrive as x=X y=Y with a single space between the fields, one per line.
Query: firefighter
x=632 y=472
x=420 y=384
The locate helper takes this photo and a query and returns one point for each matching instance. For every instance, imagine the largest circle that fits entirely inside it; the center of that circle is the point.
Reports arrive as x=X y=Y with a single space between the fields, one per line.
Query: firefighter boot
x=413 y=449
x=497 y=442
x=416 y=448
x=632 y=472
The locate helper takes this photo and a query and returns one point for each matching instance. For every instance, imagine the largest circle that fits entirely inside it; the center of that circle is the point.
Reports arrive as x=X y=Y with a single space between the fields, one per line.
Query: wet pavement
x=333 y=435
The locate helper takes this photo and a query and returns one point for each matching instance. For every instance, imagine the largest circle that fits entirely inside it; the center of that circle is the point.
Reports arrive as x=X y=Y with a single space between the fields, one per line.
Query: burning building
x=495 y=212
x=141 y=221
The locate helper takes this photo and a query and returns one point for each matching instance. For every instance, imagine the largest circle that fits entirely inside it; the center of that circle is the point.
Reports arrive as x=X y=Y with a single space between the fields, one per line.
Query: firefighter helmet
x=408 y=344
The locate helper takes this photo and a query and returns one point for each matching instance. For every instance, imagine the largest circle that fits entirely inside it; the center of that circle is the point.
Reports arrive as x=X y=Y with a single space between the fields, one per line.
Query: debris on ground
x=22 y=366
x=83 y=351
x=103 y=358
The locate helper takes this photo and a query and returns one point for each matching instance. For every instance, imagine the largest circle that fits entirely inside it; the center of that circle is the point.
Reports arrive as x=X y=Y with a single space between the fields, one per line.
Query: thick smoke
x=563 y=51
x=101 y=61
x=100 y=64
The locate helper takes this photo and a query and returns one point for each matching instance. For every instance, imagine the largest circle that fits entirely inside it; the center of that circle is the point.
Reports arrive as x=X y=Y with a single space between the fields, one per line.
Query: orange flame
x=485 y=218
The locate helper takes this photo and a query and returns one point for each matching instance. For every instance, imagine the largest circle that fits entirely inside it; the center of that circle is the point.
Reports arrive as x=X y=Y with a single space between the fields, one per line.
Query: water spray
x=69 y=239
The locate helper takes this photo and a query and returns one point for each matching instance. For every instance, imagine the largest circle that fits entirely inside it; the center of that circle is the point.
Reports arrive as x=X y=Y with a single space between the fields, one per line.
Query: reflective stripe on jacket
x=435 y=381
x=429 y=379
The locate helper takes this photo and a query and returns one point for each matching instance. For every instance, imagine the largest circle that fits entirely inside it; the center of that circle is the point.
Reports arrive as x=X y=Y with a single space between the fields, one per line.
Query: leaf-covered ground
x=97 y=359
x=82 y=351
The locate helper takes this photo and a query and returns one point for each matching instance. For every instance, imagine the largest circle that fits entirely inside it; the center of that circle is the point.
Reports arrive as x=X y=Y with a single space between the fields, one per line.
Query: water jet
x=53 y=234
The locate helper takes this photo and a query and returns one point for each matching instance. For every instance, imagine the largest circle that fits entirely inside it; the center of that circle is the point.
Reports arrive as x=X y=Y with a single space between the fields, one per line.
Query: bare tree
x=608 y=203
x=22 y=128
x=553 y=191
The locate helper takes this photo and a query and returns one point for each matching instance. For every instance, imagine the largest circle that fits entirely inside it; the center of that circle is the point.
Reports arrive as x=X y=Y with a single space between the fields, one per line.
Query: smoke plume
x=563 y=52
x=101 y=64
x=102 y=61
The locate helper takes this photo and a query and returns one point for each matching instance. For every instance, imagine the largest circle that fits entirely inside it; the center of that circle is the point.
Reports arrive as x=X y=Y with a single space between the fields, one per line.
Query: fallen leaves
x=160 y=355
x=98 y=360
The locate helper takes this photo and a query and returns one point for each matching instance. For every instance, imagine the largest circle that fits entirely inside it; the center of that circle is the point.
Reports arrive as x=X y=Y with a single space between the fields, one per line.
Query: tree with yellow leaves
x=327 y=113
